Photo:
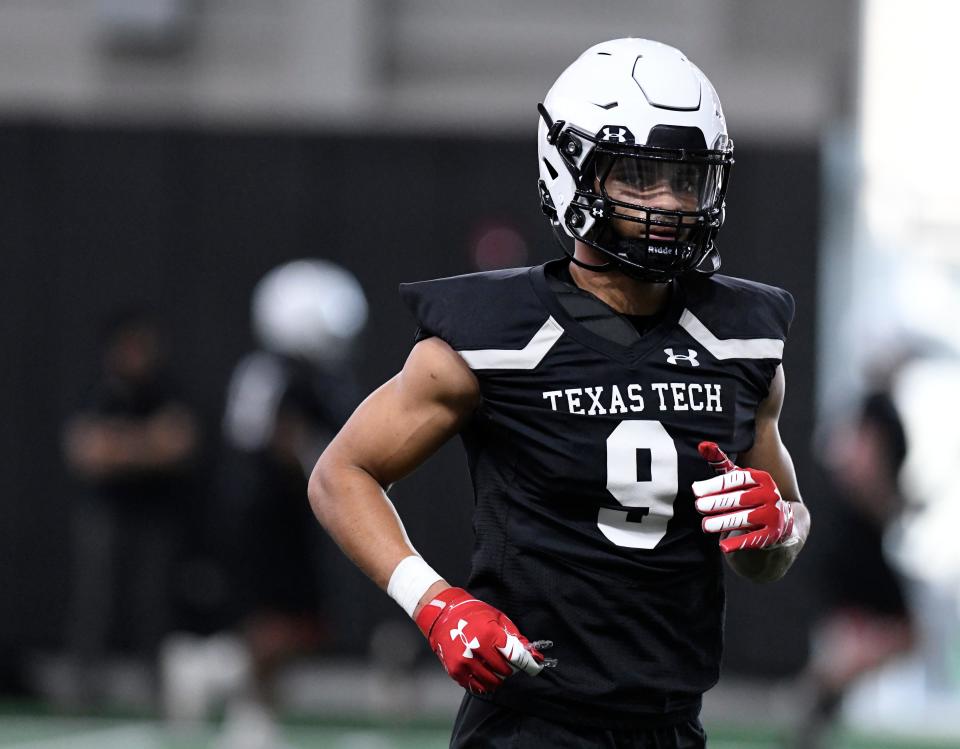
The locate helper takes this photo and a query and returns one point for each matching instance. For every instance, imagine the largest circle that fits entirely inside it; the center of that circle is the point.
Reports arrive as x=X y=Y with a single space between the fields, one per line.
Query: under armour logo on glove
x=492 y=647
x=468 y=647
x=743 y=505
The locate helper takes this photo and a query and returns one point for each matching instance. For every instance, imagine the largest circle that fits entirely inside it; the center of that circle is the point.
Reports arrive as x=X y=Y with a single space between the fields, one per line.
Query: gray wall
x=783 y=69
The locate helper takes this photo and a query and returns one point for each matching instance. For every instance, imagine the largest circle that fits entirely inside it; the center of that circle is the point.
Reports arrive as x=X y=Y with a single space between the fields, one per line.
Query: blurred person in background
x=285 y=402
x=867 y=620
x=595 y=395
x=132 y=446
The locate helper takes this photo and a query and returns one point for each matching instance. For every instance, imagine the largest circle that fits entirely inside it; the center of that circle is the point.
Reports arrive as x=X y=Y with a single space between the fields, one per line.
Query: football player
x=607 y=401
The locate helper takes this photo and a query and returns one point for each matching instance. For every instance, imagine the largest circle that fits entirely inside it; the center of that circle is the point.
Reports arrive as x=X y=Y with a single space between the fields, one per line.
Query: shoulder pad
x=494 y=309
x=735 y=308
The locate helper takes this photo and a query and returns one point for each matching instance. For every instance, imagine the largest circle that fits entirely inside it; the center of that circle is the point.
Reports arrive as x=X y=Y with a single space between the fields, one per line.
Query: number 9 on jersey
x=642 y=476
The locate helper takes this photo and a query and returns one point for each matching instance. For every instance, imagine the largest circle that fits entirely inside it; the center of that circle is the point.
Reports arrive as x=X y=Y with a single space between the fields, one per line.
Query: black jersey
x=582 y=453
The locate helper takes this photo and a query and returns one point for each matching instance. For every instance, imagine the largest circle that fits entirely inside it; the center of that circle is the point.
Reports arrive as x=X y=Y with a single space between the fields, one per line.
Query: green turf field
x=37 y=731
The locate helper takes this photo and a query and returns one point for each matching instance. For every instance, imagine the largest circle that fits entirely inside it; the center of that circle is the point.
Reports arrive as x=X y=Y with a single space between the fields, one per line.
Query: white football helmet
x=634 y=159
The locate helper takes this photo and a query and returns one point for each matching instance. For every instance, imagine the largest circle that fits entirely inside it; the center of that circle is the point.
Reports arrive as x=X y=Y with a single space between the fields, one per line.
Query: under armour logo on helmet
x=467 y=645
x=616 y=134
x=690 y=356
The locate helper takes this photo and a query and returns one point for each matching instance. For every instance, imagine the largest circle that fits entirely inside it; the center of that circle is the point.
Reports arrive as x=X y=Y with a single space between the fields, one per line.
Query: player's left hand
x=742 y=499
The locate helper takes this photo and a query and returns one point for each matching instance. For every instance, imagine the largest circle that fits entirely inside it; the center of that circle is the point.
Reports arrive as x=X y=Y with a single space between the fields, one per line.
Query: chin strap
x=710 y=262
x=605 y=268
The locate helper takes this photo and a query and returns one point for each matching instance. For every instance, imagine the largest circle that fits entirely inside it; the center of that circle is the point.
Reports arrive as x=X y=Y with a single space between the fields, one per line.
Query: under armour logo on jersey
x=468 y=646
x=690 y=356
x=616 y=134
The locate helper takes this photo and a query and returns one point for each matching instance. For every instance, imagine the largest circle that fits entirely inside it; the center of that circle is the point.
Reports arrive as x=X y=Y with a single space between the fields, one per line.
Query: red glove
x=743 y=500
x=478 y=646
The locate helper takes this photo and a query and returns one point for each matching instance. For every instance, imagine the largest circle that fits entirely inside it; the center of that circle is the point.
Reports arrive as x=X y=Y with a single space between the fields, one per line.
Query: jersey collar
x=597 y=325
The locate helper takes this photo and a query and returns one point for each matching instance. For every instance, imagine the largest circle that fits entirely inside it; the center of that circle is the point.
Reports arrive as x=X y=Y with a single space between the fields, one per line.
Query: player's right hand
x=477 y=644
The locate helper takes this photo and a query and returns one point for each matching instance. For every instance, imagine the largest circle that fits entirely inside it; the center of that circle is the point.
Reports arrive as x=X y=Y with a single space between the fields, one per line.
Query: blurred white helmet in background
x=309 y=309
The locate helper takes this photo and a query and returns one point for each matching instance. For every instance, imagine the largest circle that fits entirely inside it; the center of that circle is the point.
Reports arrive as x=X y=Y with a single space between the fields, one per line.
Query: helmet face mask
x=650 y=205
x=657 y=210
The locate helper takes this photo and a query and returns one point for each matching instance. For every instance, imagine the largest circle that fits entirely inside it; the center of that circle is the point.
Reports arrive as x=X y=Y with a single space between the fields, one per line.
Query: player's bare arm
x=392 y=432
x=769 y=454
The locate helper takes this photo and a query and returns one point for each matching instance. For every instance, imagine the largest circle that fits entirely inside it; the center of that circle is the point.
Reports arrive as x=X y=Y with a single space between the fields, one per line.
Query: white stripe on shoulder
x=526 y=358
x=731 y=348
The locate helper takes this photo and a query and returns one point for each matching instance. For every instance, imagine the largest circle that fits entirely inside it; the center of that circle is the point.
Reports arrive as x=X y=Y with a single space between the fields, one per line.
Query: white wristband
x=409 y=581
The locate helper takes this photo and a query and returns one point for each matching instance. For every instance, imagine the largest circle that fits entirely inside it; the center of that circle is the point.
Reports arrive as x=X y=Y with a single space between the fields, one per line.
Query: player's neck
x=626 y=295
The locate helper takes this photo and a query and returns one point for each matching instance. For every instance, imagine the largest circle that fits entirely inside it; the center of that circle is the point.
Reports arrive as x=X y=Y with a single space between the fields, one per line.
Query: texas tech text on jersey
x=622 y=399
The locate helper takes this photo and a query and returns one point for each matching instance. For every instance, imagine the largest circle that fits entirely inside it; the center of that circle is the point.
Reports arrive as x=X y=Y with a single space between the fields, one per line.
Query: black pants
x=482 y=725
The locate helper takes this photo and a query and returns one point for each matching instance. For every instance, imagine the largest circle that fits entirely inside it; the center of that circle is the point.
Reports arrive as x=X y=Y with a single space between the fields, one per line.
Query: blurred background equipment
x=180 y=151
